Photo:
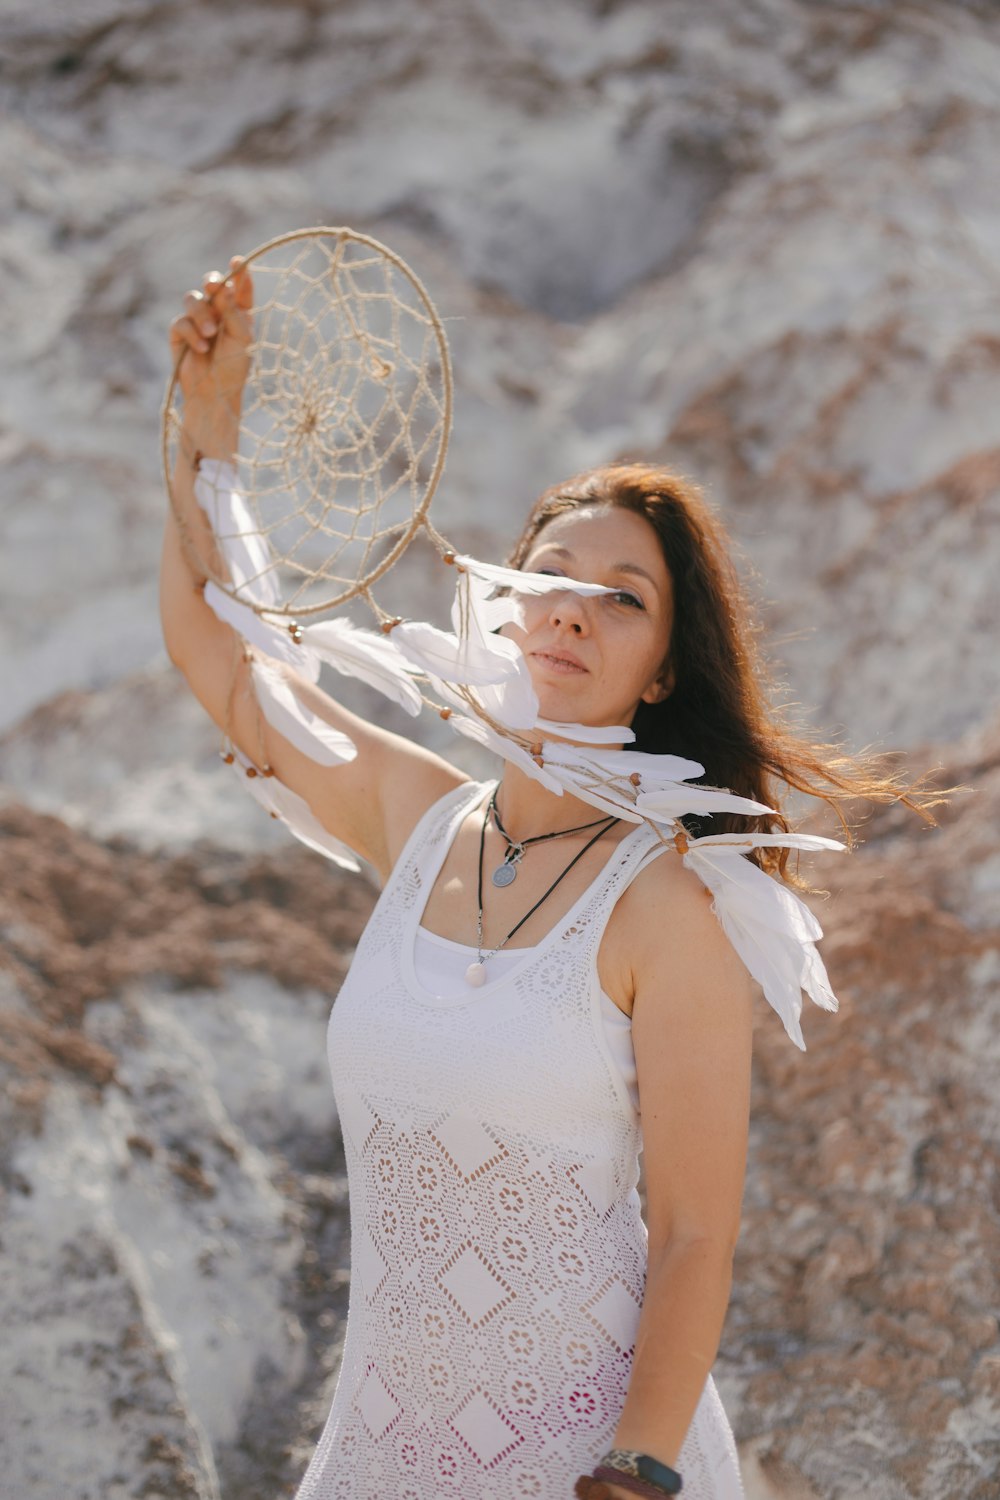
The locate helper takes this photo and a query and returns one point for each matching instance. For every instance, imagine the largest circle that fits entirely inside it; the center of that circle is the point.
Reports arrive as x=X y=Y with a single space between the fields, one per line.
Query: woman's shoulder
x=664 y=881
x=666 y=917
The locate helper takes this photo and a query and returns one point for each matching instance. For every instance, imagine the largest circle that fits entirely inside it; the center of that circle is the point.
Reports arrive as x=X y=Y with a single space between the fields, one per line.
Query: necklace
x=475 y=974
x=506 y=872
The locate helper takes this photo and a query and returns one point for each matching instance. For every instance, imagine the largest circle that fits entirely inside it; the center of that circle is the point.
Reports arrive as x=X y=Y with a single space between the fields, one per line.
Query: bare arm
x=373 y=802
x=691 y=1028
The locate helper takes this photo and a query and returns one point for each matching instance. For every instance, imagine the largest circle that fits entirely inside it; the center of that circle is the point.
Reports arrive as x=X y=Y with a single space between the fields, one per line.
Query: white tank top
x=440 y=966
x=498 y=1252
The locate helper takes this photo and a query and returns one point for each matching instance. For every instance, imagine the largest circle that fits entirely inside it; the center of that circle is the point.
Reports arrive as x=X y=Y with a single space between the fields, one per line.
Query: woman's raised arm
x=371 y=803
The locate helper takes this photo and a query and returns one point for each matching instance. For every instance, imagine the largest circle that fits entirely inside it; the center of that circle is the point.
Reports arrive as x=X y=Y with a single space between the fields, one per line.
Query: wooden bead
x=449 y=558
x=227 y=756
x=445 y=713
x=681 y=842
x=635 y=778
x=251 y=770
x=388 y=625
x=295 y=631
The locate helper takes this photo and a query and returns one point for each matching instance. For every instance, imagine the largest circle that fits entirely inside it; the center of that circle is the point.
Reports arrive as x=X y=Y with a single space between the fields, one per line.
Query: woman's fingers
x=184 y=330
x=206 y=309
x=230 y=304
x=241 y=282
x=216 y=326
x=200 y=311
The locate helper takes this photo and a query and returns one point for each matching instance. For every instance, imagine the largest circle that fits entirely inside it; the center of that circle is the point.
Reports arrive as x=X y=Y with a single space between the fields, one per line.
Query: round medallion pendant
x=505 y=874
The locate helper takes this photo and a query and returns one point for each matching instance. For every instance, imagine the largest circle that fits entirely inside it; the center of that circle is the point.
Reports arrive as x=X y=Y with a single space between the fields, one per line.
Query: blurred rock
x=865 y=1300
x=171 y=1168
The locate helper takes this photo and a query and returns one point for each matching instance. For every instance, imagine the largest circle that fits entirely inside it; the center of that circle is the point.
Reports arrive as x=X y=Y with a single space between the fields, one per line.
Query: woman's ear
x=662 y=687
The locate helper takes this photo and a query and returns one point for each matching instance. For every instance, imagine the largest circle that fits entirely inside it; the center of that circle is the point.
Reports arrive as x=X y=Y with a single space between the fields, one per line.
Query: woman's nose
x=568 y=610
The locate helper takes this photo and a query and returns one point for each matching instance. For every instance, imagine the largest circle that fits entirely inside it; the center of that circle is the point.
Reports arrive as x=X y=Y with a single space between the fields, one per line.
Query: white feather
x=296 y=814
x=678 y=801
x=490 y=613
x=606 y=799
x=655 y=770
x=782 y=909
x=514 y=702
x=588 y=734
x=248 y=553
x=299 y=725
x=601 y=777
x=273 y=640
x=772 y=930
x=439 y=653
x=482 y=734
x=753 y=840
x=370 y=657
x=570 y=766
x=529 y=583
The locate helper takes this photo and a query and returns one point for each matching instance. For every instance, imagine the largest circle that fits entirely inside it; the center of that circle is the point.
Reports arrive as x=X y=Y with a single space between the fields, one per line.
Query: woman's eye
x=620 y=596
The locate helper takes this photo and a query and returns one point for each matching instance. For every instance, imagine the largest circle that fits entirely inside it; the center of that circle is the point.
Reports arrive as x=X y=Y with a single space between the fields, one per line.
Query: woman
x=534 y=981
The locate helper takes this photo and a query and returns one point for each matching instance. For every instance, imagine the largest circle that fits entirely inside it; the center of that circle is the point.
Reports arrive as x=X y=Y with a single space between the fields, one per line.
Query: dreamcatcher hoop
x=350 y=384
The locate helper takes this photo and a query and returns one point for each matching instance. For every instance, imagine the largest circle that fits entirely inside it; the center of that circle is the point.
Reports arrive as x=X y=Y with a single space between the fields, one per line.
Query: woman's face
x=592 y=661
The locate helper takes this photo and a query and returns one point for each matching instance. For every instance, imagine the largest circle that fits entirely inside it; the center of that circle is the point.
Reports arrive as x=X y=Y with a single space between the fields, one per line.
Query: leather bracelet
x=661 y=1477
x=606 y=1475
x=589 y=1488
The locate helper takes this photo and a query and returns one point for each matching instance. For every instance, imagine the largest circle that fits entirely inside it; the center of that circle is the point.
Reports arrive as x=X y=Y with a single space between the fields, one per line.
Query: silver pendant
x=505 y=874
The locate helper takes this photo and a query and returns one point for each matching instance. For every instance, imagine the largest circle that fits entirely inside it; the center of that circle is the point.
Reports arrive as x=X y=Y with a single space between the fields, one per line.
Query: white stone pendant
x=475 y=974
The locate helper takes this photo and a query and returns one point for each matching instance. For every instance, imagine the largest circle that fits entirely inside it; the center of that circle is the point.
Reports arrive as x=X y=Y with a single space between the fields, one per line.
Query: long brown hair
x=723 y=710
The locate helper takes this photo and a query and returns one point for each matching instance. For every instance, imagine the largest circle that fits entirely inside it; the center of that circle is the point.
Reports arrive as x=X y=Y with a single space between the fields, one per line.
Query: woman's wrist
x=209 y=439
x=624 y=1472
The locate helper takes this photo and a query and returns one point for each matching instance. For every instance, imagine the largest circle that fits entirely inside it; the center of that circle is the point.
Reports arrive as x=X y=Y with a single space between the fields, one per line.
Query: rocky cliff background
x=759 y=239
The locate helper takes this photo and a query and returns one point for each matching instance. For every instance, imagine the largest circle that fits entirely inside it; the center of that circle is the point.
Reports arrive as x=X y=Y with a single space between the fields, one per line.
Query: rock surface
x=760 y=242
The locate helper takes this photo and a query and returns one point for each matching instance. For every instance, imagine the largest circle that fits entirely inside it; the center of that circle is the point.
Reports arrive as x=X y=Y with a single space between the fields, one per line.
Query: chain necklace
x=475 y=974
x=506 y=872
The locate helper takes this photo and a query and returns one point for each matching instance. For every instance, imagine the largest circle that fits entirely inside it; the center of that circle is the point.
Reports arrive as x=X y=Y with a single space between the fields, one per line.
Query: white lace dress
x=498 y=1252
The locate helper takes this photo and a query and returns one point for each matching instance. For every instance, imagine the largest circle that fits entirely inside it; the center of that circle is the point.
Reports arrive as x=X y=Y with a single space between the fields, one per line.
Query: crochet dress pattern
x=498 y=1253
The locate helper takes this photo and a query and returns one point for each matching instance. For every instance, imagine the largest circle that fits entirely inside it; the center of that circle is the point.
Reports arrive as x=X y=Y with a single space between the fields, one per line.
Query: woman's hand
x=213 y=334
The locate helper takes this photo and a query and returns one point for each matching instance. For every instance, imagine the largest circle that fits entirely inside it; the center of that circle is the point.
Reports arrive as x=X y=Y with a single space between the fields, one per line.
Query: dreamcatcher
x=344 y=419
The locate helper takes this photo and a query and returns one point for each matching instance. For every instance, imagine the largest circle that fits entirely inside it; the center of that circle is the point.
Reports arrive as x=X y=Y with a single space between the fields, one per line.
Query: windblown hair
x=723 y=710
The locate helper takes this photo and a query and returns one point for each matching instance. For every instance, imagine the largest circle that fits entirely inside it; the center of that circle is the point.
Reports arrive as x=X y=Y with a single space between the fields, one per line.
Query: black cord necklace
x=506 y=872
x=475 y=974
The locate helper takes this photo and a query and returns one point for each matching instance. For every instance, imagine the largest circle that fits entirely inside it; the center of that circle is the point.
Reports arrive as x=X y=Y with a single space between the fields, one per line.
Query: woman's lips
x=559 y=661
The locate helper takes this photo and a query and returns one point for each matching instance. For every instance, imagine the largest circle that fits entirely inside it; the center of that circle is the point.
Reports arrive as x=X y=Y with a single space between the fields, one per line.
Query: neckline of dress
x=428 y=877
x=436 y=937
x=614 y=1011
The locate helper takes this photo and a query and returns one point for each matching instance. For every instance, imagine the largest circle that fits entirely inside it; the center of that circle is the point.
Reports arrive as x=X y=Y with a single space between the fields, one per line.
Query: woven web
x=345 y=418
